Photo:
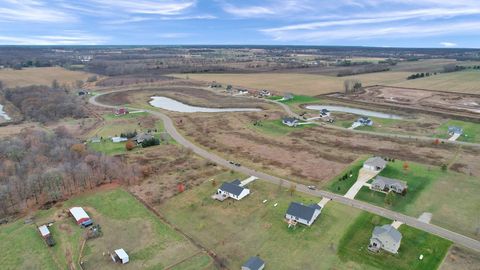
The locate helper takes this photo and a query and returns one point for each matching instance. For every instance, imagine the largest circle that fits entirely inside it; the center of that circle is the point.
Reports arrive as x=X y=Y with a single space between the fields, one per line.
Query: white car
x=311 y=187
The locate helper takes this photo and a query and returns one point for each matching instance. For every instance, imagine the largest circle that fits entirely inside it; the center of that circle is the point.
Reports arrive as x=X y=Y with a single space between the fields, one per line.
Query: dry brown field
x=40 y=76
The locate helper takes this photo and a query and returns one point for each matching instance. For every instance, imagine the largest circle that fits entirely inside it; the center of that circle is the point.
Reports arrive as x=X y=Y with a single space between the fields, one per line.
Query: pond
x=354 y=111
x=177 y=106
x=3 y=114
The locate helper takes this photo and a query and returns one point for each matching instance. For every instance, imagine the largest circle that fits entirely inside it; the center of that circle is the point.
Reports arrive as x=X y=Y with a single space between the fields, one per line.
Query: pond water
x=354 y=111
x=177 y=106
x=3 y=114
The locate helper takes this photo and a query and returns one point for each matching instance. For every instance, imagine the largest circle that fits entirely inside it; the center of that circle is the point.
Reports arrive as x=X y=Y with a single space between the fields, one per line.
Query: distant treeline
x=38 y=167
x=446 y=69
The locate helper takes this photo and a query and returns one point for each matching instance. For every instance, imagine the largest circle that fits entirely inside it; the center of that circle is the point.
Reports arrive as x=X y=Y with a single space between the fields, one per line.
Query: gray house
x=364 y=121
x=375 y=164
x=290 y=121
x=455 y=130
x=385 y=237
x=143 y=137
x=288 y=96
x=387 y=184
x=254 y=263
x=305 y=214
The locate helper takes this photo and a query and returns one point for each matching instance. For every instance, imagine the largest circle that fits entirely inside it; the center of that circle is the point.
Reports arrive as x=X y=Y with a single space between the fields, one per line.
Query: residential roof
x=289 y=119
x=232 y=188
x=121 y=253
x=254 y=263
x=143 y=137
x=455 y=129
x=44 y=230
x=376 y=162
x=236 y=182
x=79 y=214
x=389 y=181
x=301 y=211
x=387 y=230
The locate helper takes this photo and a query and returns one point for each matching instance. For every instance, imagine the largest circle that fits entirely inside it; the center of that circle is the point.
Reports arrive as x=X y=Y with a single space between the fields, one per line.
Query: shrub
x=150 y=142
x=129 y=145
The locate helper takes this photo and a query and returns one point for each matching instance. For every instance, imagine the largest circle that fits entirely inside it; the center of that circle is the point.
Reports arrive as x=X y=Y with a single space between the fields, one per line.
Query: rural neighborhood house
x=385 y=237
x=254 y=263
x=290 y=121
x=304 y=214
x=387 y=184
x=231 y=190
x=376 y=164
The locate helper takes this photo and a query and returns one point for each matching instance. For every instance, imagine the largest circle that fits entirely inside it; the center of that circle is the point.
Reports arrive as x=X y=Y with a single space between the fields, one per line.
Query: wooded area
x=37 y=167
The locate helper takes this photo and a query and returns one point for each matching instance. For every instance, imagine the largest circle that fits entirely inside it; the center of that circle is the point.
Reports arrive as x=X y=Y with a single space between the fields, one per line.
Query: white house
x=290 y=121
x=119 y=139
x=232 y=190
x=120 y=256
x=305 y=214
x=375 y=164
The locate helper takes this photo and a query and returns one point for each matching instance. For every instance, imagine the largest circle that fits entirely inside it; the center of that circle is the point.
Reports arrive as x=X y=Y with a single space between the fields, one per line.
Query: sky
x=379 y=23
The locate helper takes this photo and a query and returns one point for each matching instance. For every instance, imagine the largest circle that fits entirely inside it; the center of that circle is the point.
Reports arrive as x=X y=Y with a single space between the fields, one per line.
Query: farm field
x=41 y=76
x=125 y=223
x=414 y=242
x=461 y=81
x=302 y=84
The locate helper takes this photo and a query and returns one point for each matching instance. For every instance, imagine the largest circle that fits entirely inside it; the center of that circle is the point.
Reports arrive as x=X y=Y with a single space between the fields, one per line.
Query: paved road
x=411 y=221
x=389 y=135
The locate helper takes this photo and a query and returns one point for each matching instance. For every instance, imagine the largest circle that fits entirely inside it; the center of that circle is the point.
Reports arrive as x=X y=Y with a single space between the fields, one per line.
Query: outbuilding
x=120 y=256
x=375 y=164
x=81 y=217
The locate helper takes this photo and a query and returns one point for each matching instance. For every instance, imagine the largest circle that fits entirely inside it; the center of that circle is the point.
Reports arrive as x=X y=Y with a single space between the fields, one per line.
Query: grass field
x=302 y=84
x=125 y=222
x=464 y=81
x=342 y=186
x=276 y=127
x=353 y=246
x=470 y=130
x=297 y=99
x=41 y=76
x=250 y=227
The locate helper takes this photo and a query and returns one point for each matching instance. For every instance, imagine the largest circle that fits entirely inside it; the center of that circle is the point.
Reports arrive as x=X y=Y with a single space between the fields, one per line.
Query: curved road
x=411 y=221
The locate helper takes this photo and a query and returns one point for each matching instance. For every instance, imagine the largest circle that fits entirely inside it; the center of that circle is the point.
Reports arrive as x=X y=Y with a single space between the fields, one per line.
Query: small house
x=375 y=164
x=121 y=111
x=455 y=130
x=290 y=121
x=264 y=93
x=142 y=137
x=81 y=217
x=232 y=190
x=385 y=237
x=387 y=184
x=120 y=256
x=242 y=91
x=305 y=214
x=287 y=96
x=364 y=121
x=254 y=263
x=324 y=113
x=82 y=92
x=119 y=139
x=95 y=139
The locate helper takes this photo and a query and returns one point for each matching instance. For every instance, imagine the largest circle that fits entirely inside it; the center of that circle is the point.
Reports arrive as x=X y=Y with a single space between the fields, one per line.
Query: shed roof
x=44 y=230
x=78 y=213
x=301 y=211
x=254 y=263
x=289 y=119
x=387 y=230
x=121 y=253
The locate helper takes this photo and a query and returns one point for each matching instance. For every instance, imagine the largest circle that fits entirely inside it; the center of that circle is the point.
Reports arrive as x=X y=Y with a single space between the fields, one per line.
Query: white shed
x=120 y=256
x=44 y=231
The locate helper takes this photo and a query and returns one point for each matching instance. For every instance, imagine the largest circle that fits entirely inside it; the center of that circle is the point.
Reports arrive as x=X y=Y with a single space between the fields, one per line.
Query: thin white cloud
x=67 y=38
x=33 y=11
x=448 y=44
x=174 y=35
x=165 y=7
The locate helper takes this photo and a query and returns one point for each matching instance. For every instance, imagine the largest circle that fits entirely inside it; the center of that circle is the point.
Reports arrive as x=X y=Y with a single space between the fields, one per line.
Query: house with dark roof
x=264 y=93
x=388 y=184
x=287 y=96
x=455 y=130
x=375 y=164
x=324 y=113
x=232 y=190
x=290 y=121
x=385 y=237
x=254 y=263
x=364 y=121
x=301 y=213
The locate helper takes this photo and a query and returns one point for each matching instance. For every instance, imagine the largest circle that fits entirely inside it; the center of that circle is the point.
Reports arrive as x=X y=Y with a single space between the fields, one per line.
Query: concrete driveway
x=363 y=176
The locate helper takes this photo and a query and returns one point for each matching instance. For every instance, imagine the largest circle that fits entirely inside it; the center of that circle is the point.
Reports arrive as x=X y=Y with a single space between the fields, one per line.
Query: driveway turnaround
x=363 y=176
x=410 y=221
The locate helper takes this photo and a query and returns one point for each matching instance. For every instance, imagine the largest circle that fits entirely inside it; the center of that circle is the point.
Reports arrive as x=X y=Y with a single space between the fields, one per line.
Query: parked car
x=311 y=187
x=238 y=164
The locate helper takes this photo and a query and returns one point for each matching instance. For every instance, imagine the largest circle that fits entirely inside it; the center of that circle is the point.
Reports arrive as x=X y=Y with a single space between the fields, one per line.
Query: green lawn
x=354 y=243
x=276 y=127
x=296 y=99
x=125 y=222
x=418 y=177
x=112 y=116
x=108 y=147
x=237 y=230
x=340 y=186
x=470 y=130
